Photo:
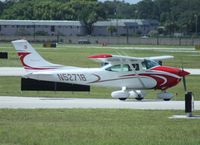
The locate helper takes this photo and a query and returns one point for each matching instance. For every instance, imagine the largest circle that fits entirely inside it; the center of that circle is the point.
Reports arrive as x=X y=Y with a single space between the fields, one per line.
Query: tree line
x=176 y=16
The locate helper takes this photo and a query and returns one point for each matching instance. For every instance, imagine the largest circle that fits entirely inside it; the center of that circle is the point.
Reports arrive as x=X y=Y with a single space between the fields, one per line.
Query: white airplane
x=132 y=75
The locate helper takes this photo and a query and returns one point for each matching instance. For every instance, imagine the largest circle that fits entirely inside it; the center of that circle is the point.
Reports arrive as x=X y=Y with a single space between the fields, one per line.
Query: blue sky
x=129 y=1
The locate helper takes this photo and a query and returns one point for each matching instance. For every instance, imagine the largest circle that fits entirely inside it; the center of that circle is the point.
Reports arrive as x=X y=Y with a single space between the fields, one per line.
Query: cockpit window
x=147 y=64
x=119 y=68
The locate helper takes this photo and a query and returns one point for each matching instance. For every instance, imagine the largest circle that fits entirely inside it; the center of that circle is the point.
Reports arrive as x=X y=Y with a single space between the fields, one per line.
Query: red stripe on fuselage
x=171 y=80
x=172 y=70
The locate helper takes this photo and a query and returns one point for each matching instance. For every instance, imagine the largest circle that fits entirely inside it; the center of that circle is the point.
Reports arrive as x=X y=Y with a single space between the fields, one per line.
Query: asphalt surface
x=12 y=71
x=16 y=102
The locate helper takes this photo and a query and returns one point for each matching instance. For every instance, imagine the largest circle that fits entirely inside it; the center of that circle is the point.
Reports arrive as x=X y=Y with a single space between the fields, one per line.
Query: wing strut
x=138 y=76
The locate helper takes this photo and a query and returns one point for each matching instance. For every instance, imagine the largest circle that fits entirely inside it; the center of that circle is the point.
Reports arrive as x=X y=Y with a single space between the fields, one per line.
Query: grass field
x=13 y=89
x=96 y=127
x=76 y=55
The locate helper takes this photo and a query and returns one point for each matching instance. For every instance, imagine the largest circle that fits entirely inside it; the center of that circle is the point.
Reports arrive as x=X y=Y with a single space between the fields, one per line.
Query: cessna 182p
x=132 y=75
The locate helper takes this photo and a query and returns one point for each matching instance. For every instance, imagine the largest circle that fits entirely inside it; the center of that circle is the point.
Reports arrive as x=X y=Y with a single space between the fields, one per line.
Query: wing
x=109 y=58
x=158 y=58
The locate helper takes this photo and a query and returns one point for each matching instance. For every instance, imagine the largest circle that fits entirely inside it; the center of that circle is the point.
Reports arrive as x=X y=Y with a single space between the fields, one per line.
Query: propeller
x=184 y=80
x=186 y=91
x=184 y=84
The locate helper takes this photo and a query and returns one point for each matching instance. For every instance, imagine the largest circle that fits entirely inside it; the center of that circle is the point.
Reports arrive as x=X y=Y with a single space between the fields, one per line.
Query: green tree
x=118 y=9
x=147 y=9
x=1 y=7
x=175 y=15
x=88 y=12
x=163 y=8
x=18 y=11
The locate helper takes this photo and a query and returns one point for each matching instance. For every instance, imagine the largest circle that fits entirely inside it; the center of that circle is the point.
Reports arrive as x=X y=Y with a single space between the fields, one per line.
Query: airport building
x=41 y=27
x=120 y=27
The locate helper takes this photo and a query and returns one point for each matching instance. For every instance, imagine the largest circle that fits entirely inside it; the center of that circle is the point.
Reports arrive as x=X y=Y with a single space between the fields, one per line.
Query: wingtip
x=20 y=40
x=100 y=56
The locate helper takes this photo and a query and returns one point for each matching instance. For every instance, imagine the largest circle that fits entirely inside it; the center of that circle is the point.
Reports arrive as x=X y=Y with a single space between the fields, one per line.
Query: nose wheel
x=166 y=96
x=166 y=99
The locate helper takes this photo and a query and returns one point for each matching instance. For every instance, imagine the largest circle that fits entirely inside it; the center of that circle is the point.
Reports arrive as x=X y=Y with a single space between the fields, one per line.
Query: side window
x=126 y=68
x=115 y=68
x=119 y=68
x=136 y=67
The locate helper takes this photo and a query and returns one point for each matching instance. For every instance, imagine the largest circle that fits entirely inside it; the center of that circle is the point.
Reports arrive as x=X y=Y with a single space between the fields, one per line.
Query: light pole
x=127 y=34
x=116 y=16
x=196 y=23
x=33 y=31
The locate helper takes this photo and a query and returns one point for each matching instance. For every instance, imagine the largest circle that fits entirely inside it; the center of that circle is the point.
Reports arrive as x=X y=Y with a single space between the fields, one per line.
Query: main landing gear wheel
x=122 y=99
x=139 y=98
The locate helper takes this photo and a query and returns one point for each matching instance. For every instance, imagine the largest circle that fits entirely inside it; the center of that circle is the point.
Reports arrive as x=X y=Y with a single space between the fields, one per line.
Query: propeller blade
x=184 y=84
x=185 y=73
x=184 y=80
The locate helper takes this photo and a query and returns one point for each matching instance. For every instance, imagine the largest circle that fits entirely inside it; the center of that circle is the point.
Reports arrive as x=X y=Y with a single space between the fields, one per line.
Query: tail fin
x=30 y=59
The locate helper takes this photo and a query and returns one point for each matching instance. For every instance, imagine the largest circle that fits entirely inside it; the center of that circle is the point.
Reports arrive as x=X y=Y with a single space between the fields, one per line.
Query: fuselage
x=158 y=77
x=131 y=75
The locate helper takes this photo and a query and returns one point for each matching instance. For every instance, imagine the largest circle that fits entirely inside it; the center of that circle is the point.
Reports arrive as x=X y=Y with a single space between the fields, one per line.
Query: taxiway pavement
x=12 y=71
x=15 y=102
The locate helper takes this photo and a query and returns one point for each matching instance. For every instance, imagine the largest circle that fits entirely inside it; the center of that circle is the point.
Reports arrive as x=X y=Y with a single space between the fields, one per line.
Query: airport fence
x=105 y=40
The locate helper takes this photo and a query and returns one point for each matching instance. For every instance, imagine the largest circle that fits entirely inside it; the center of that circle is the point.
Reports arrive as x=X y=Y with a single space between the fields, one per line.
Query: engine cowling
x=120 y=94
x=165 y=96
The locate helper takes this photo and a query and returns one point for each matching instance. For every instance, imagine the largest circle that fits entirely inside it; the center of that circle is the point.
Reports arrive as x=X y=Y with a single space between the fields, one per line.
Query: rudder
x=30 y=59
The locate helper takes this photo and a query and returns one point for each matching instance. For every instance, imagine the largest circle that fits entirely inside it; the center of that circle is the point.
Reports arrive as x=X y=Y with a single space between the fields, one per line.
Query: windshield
x=147 y=64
